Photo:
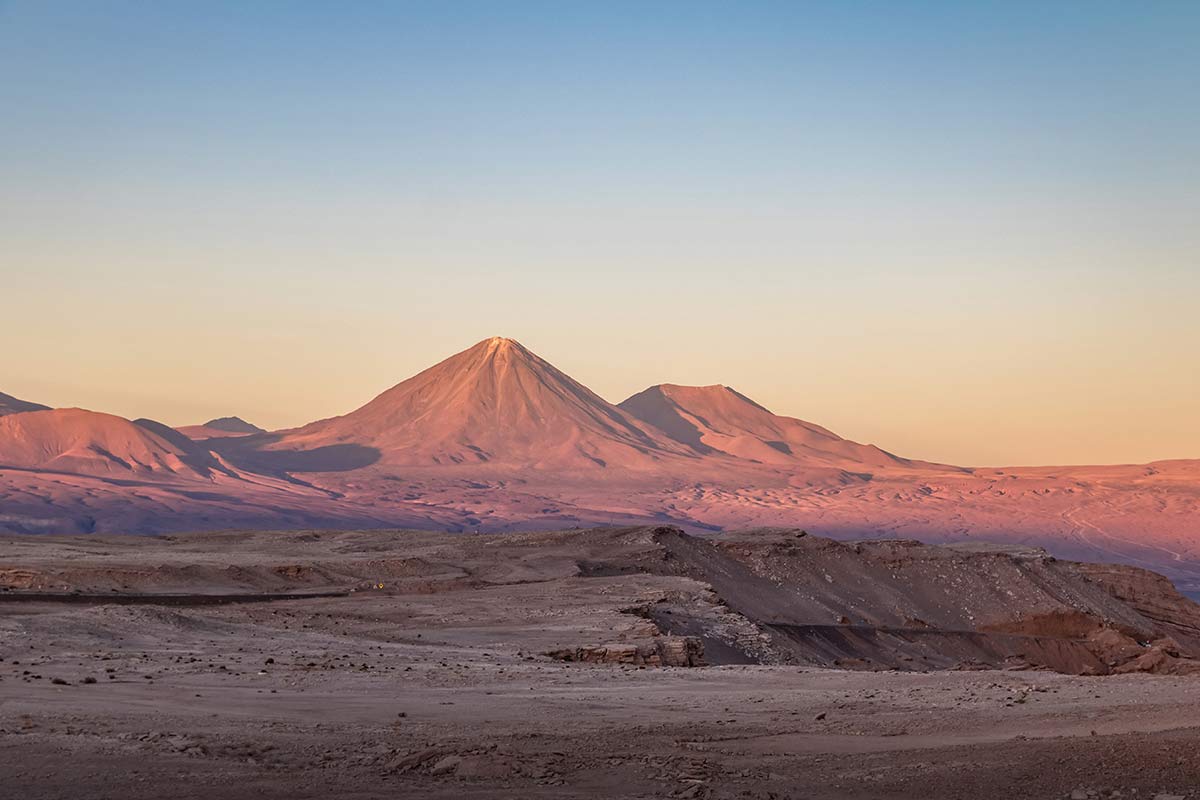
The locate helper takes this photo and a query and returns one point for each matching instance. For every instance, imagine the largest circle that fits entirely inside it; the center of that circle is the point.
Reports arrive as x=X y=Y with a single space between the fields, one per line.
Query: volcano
x=495 y=404
x=720 y=420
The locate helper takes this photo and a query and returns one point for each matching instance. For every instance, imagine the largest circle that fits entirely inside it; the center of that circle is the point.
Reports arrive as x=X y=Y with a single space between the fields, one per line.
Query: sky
x=965 y=232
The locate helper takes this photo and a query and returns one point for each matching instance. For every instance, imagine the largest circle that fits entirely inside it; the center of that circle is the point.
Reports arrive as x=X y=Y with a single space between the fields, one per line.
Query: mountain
x=13 y=405
x=233 y=425
x=718 y=419
x=74 y=471
x=220 y=428
x=76 y=441
x=494 y=404
x=496 y=439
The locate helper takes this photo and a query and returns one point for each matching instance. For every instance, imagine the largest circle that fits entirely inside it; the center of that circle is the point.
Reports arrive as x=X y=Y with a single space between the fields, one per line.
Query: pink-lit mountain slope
x=717 y=419
x=494 y=404
x=90 y=443
x=496 y=438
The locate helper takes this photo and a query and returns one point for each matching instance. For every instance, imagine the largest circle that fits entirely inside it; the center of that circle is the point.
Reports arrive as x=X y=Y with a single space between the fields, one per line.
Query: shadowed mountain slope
x=718 y=419
x=14 y=405
x=83 y=442
x=220 y=428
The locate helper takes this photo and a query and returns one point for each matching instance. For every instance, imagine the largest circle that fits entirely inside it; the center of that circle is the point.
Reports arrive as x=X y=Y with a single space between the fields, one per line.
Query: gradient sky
x=967 y=232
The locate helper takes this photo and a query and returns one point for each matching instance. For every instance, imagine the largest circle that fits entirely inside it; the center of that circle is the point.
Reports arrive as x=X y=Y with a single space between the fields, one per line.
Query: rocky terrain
x=633 y=662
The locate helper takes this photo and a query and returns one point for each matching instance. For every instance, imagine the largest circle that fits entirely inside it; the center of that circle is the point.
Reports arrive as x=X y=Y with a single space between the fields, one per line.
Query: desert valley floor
x=635 y=662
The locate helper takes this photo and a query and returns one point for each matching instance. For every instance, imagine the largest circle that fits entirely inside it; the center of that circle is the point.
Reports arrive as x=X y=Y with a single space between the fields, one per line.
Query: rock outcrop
x=663 y=651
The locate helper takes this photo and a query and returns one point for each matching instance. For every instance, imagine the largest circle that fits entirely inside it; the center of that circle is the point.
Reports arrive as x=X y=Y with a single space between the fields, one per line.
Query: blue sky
x=964 y=231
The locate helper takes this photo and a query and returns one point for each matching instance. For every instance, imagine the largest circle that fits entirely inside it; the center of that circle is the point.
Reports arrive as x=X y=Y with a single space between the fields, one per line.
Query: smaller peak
x=14 y=405
x=712 y=388
x=714 y=392
x=232 y=425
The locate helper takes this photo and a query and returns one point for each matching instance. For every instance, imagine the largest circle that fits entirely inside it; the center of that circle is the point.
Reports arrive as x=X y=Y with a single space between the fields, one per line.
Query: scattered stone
x=484 y=767
x=446 y=765
x=413 y=760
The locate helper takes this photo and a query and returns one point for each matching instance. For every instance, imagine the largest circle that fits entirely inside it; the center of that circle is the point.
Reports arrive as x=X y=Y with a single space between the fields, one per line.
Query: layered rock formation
x=656 y=596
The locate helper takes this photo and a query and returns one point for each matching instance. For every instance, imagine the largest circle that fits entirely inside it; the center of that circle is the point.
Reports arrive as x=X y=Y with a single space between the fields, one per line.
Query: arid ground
x=404 y=664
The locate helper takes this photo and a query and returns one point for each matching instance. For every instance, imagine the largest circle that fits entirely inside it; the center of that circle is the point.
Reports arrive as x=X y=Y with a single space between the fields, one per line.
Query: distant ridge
x=13 y=405
x=90 y=443
x=233 y=425
x=220 y=427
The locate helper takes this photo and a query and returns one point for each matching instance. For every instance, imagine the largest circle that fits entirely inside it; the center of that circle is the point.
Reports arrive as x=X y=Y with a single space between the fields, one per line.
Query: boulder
x=662 y=651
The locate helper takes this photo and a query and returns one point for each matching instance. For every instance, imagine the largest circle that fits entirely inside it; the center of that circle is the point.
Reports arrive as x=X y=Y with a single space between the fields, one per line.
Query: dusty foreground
x=123 y=677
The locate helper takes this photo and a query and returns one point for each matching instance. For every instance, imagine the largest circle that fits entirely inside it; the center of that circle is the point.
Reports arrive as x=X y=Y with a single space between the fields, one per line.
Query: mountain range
x=497 y=438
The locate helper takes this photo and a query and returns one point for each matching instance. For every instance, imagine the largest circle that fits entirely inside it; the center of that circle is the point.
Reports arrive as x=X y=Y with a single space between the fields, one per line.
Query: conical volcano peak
x=502 y=343
x=492 y=367
x=503 y=347
x=494 y=403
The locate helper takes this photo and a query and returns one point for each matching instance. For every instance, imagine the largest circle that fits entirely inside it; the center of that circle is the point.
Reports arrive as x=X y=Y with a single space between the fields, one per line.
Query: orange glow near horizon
x=984 y=261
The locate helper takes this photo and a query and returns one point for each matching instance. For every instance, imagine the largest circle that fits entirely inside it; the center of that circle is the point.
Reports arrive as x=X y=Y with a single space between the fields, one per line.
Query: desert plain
x=628 y=662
